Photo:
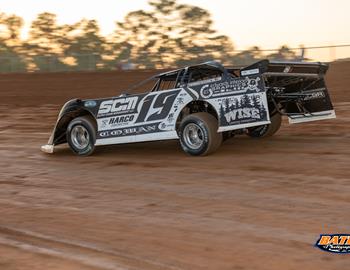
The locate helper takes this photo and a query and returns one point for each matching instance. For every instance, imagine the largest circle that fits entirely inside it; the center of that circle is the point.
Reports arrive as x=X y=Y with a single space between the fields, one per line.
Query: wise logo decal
x=334 y=243
x=243 y=109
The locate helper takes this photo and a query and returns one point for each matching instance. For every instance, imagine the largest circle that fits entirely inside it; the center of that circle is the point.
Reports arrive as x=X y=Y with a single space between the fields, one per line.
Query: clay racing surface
x=255 y=204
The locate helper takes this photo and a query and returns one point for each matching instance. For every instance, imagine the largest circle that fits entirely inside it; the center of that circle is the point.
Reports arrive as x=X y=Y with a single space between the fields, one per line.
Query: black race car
x=200 y=105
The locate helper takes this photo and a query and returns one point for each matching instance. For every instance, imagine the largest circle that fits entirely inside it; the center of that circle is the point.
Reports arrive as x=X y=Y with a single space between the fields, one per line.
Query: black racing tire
x=207 y=141
x=81 y=135
x=266 y=130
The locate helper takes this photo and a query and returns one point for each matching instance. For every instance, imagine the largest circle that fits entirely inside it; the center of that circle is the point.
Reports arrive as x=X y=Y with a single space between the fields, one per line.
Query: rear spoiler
x=273 y=68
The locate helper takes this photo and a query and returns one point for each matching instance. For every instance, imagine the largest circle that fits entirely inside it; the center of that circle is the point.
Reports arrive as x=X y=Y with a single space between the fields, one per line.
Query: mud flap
x=312 y=117
x=311 y=105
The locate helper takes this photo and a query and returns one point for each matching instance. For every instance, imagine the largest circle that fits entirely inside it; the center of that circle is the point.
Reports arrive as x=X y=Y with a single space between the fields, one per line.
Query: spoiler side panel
x=298 y=89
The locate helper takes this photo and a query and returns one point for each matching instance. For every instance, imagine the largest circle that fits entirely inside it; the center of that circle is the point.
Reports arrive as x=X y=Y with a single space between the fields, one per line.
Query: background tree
x=135 y=38
x=247 y=57
x=284 y=53
x=11 y=58
x=12 y=25
x=197 y=39
x=169 y=34
x=44 y=43
x=87 y=47
x=44 y=35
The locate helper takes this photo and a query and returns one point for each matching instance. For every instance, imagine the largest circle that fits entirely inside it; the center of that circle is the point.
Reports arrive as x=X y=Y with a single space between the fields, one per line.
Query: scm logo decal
x=335 y=243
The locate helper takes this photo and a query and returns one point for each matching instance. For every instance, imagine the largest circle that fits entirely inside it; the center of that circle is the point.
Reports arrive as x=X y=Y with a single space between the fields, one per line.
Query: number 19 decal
x=156 y=106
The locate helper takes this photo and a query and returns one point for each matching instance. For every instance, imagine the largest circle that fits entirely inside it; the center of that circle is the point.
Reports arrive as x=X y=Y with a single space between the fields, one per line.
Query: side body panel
x=136 y=118
x=240 y=102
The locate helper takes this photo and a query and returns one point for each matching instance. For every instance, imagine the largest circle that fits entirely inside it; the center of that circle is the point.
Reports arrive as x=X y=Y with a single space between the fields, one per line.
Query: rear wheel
x=81 y=135
x=198 y=134
x=266 y=130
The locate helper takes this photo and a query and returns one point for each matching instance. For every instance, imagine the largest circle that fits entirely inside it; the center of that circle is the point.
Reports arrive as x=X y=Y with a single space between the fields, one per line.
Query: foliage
x=170 y=34
x=44 y=45
x=247 y=57
x=11 y=58
x=87 y=47
x=284 y=53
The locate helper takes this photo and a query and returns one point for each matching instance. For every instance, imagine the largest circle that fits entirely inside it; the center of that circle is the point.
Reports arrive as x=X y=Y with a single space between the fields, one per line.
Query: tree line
x=168 y=35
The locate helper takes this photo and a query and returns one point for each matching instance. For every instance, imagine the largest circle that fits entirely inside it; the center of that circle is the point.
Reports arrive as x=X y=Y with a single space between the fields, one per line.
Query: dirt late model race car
x=200 y=105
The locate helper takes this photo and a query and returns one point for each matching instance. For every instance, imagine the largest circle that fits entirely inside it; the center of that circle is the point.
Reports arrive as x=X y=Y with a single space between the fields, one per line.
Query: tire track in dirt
x=82 y=252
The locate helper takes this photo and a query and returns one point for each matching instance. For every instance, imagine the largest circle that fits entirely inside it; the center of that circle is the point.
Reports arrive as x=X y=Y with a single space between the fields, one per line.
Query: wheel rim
x=80 y=137
x=193 y=136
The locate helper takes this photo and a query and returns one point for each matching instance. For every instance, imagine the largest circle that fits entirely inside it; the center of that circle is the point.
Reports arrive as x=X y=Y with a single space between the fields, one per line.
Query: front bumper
x=47 y=148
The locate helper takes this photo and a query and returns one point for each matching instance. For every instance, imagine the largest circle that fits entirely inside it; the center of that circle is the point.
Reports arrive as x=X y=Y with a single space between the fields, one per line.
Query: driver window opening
x=199 y=74
x=168 y=81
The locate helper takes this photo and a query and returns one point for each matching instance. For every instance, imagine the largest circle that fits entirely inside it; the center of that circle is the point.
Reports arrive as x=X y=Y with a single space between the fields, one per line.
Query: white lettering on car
x=118 y=105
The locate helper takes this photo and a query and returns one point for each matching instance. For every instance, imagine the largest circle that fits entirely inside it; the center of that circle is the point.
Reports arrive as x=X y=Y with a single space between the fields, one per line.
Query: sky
x=265 y=23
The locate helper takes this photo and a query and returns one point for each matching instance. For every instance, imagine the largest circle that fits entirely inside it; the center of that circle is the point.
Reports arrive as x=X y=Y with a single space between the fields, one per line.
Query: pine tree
x=263 y=111
x=223 y=120
x=227 y=105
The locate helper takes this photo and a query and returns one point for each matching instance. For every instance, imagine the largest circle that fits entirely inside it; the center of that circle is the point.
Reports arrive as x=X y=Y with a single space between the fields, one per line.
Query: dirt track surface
x=255 y=204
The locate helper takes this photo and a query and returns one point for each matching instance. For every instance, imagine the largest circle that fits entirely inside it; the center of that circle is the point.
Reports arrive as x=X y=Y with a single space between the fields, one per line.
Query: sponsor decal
x=334 y=243
x=156 y=107
x=121 y=119
x=253 y=84
x=243 y=109
x=206 y=91
x=90 y=103
x=231 y=87
x=129 y=131
x=104 y=122
x=250 y=72
x=287 y=69
x=315 y=95
x=115 y=121
x=120 y=105
x=242 y=113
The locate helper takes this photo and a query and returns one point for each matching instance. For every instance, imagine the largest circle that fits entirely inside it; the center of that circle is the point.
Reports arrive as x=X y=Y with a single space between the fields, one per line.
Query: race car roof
x=206 y=65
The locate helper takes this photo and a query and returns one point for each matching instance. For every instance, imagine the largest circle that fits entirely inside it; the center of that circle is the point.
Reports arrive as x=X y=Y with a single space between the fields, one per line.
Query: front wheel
x=81 y=135
x=198 y=134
